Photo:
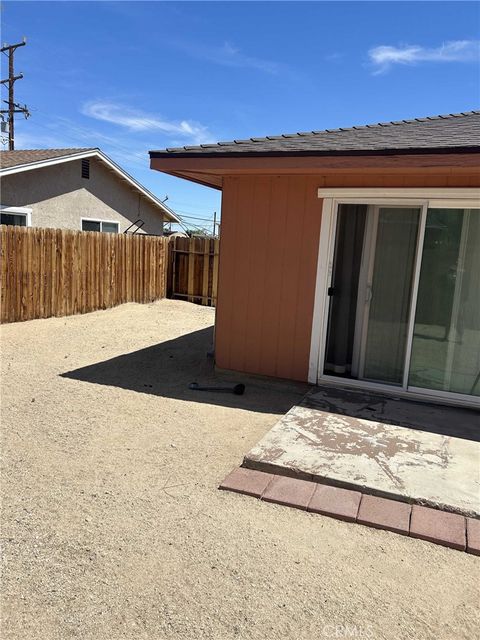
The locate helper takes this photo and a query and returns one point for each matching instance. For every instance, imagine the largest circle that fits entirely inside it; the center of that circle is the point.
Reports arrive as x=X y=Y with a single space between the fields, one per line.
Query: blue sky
x=134 y=76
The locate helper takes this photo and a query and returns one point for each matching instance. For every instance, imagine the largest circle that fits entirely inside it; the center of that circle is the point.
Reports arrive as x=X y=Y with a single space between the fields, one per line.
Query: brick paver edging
x=441 y=527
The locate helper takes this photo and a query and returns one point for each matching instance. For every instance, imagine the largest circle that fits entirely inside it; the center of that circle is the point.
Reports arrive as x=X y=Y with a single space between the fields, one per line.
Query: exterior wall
x=59 y=197
x=268 y=257
x=268 y=260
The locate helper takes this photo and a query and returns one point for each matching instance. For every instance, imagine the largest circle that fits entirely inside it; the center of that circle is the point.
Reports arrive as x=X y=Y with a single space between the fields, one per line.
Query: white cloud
x=334 y=57
x=57 y=132
x=227 y=55
x=230 y=56
x=138 y=121
x=384 y=57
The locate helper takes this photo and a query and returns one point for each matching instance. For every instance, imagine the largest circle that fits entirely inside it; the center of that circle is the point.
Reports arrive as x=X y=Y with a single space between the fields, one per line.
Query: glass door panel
x=446 y=339
x=349 y=242
x=388 y=295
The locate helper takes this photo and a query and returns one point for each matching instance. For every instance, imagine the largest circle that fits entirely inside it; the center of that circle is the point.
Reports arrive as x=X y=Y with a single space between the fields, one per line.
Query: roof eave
x=211 y=171
x=314 y=153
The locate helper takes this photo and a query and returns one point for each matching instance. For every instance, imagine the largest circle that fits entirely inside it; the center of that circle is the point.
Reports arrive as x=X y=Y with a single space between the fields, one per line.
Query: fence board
x=215 y=270
x=55 y=272
x=193 y=269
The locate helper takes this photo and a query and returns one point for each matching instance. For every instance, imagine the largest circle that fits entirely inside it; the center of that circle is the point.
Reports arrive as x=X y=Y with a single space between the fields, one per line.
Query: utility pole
x=13 y=107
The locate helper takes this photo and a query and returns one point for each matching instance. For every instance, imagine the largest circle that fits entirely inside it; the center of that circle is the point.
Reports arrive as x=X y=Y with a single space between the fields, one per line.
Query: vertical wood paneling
x=261 y=325
x=307 y=281
x=241 y=255
x=441 y=178
x=279 y=247
x=225 y=303
x=53 y=272
x=267 y=213
x=290 y=314
x=268 y=258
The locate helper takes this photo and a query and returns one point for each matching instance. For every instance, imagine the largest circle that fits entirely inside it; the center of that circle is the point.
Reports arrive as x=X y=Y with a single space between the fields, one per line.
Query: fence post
x=191 y=269
x=216 y=250
x=206 y=270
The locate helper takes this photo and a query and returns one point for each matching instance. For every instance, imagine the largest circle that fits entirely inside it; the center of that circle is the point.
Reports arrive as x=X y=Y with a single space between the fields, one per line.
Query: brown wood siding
x=418 y=179
x=268 y=260
x=268 y=254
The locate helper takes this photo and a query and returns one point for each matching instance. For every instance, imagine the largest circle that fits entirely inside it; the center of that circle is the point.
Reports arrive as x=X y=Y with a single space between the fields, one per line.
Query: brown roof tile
x=444 y=132
x=27 y=156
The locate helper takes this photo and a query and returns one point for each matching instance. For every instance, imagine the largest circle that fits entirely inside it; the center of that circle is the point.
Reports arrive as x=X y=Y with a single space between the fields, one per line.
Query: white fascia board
x=95 y=153
x=39 y=164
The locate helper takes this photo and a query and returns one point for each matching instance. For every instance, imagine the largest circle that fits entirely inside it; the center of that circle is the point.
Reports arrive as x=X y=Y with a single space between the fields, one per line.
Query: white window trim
x=454 y=198
x=425 y=193
x=18 y=211
x=101 y=221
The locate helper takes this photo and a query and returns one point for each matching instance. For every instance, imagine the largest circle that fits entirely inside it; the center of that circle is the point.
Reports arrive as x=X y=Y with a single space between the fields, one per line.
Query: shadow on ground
x=166 y=369
x=457 y=422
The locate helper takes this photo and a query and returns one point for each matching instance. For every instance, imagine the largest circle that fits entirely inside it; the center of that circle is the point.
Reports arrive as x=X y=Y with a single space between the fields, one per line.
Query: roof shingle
x=27 y=156
x=444 y=132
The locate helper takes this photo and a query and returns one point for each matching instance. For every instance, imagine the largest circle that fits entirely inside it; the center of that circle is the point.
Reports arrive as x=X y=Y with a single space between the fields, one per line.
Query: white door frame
x=462 y=198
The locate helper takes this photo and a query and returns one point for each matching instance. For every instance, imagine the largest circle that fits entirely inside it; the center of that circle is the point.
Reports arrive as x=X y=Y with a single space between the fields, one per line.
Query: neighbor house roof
x=27 y=156
x=456 y=132
x=27 y=159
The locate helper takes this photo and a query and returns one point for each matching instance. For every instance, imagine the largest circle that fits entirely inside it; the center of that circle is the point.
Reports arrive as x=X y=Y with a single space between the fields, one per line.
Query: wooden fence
x=54 y=272
x=193 y=269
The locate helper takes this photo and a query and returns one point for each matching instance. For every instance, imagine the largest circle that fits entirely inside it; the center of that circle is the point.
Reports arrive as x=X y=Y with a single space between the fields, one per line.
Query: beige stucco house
x=81 y=189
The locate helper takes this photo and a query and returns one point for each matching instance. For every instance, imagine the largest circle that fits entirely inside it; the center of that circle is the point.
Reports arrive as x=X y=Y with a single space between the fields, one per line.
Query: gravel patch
x=113 y=526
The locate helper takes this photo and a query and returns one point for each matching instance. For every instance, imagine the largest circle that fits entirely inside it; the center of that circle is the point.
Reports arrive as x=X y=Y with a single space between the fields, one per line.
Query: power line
x=13 y=107
x=210 y=220
x=189 y=205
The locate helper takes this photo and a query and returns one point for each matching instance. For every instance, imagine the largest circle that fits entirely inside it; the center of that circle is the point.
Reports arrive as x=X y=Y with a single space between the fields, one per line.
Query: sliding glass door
x=404 y=300
x=388 y=294
x=446 y=336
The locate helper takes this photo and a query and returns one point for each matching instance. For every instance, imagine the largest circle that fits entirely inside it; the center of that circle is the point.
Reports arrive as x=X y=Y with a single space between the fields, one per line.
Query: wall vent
x=86 y=168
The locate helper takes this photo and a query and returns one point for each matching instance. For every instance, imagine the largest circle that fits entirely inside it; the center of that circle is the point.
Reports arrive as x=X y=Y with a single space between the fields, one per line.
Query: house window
x=15 y=216
x=18 y=219
x=86 y=168
x=99 y=225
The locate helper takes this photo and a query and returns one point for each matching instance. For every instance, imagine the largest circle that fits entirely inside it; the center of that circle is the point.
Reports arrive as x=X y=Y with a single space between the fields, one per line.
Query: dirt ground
x=113 y=526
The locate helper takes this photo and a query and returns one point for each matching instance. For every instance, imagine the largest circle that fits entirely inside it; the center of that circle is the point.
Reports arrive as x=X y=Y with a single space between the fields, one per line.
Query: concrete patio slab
x=373 y=457
x=459 y=422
